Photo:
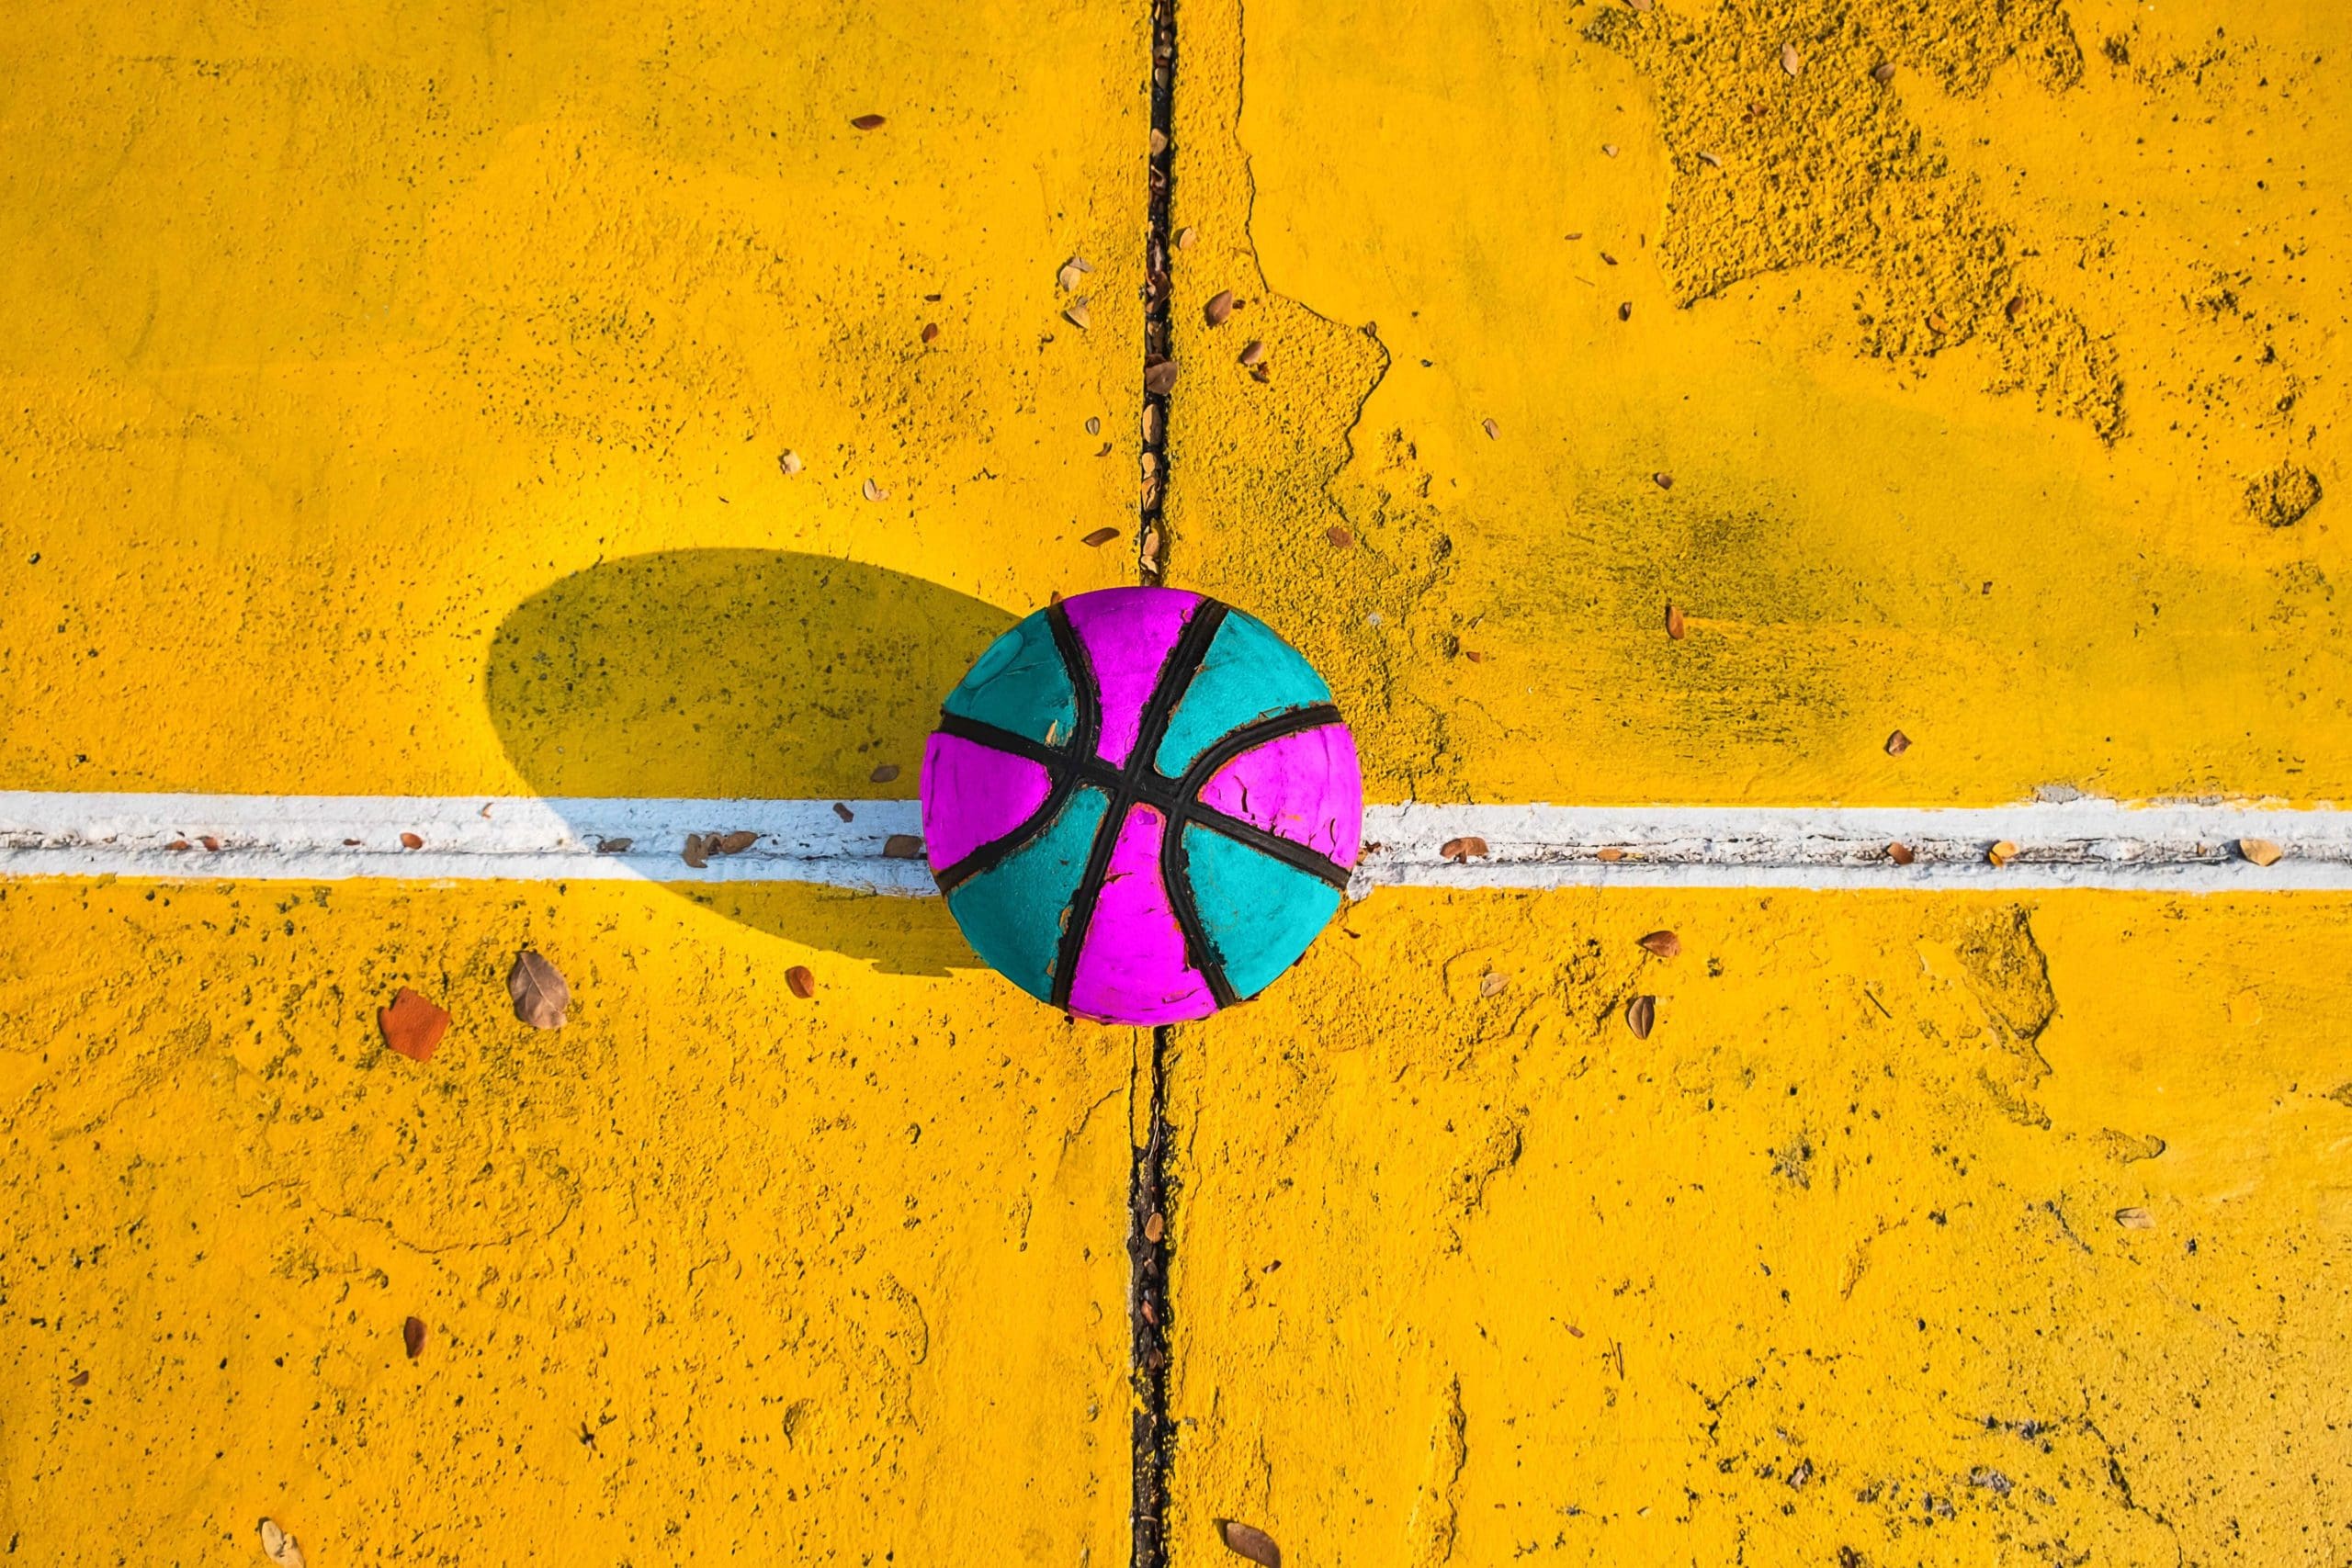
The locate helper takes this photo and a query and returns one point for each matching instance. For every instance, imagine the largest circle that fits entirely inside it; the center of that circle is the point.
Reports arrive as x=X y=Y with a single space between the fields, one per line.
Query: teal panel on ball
x=1020 y=683
x=1011 y=913
x=1260 y=913
x=1249 y=674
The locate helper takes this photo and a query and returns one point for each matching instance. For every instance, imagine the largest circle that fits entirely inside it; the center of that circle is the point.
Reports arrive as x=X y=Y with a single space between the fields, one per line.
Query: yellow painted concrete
x=332 y=333
x=1830 y=1262
x=709 y=1274
x=2039 y=545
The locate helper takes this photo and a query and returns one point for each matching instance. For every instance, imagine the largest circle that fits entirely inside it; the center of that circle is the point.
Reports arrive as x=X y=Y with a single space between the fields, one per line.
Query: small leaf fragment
x=1666 y=945
x=278 y=1547
x=1099 y=537
x=801 y=983
x=1674 y=622
x=1093 y=425
x=1609 y=149
x=1641 y=1016
x=1641 y=5
x=1249 y=1541
x=2003 y=853
x=1882 y=73
x=79 y=1380
x=413 y=1336
x=789 y=461
x=1187 y=238
x=541 y=996
x=1155 y=1227
x=1253 y=352
x=869 y=122
x=1493 y=983
x=1072 y=274
x=843 y=812
x=2017 y=303
x=1662 y=479
x=1711 y=160
x=1159 y=377
x=1077 y=315
x=902 y=846
x=931 y=332
x=887 y=773
x=2261 y=851
x=2135 y=1219
x=1494 y=432
x=733 y=844
x=1936 y=324
x=1341 y=538
x=1900 y=853
x=412 y=1025
x=1898 y=743
x=872 y=491
x=1790 y=61
x=408 y=841
x=1219 y=307
x=1463 y=851
x=1625 y=310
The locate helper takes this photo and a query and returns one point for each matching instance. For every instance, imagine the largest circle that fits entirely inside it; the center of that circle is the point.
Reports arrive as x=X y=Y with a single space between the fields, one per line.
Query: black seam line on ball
x=1175 y=856
x=1064 y=769
x=1176 y=672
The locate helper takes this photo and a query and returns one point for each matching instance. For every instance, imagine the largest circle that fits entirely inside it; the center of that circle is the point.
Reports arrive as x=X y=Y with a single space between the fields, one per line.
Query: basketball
x=1141 y=806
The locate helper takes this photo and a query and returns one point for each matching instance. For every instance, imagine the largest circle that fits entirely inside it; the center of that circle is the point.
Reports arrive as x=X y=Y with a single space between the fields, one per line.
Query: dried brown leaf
x=412 y=1025
x=1493 y=983
x=697 y=851
x=869 y=122
x=1609 y=148
x=800 y=981
x=1249 y=1541
x=1882 y=73
x=1155 y=1227
x=1641 y=1016
x=1674 y=622
x=614 y=846
x=2261 y=851
x=1790 y=61
x=931 y=332
x=1077 y=315
x=872 y=491
x=843 y=812
x=1220 y=306
x=1159 y=377
x=1711 y=160
x=789 y=462
x=1936 y=324
x=1898 y=743
x=1662 y=479
x=79 y=1380
x=1093 y=425
x=1341 y=538
x=1666 y=945
x=1625 y=310
x=903 y=846
x=1611 y=854
x=887 y=773
x=2003 y=853
x=413 y=1336
x=1158 y=141
x=1900 y=853
x=541 y=997
x=1494 y=432
x=2017 y=303
x=733 y=844
x=1187 y=238
x=1099 y=537
x=2135 y=1219
x=408 y=841
x=177 y=844
x=1461 y=850
x=1253 y=352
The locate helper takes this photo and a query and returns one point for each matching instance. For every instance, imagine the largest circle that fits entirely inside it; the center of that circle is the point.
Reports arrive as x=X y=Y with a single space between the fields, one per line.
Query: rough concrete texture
x=1917 y=1231
x=1974 y=402
x=711 y=1273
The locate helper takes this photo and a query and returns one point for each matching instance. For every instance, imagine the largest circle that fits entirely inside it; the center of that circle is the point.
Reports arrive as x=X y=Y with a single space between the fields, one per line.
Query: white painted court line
x=2083 y=843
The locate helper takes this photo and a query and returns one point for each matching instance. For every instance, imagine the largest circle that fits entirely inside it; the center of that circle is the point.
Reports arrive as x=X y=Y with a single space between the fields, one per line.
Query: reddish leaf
x=868 y=122
x=1461 y=850
x=413 y=1336
x=931 y=332
x=1666 y=945
x=210 y=842
x=1674 y=623
x=541 y=997
x=176 y=844
x=802 y=982
x=412 y=1025
x=733 y=844
x=1900 y=853
x=1249 y=1541
x=408 y=841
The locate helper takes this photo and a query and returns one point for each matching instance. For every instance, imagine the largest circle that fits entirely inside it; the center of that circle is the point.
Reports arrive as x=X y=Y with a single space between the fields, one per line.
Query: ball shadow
x=744 y=674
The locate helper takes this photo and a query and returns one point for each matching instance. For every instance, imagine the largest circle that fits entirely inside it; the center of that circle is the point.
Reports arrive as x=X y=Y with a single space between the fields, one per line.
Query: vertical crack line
x=1158 y=369
x=1148 y=1320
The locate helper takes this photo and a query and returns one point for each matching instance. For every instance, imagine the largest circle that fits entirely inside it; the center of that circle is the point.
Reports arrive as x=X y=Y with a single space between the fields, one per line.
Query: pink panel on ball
x=1304 y=787
x=1131 y=968
x=972 y=794
x=1127 y=634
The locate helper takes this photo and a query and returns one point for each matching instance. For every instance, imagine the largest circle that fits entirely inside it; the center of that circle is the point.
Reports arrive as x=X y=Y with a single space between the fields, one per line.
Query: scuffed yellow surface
x=333 y=333
x=1831 y=1261
x=2042 y=544
x=711 y=1273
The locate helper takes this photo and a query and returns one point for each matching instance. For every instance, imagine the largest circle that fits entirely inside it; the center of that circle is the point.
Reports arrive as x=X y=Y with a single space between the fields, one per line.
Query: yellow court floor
x=600 y=400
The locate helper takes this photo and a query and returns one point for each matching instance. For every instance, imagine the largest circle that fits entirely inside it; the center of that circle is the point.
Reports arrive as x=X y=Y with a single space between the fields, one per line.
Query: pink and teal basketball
x=1141 y=806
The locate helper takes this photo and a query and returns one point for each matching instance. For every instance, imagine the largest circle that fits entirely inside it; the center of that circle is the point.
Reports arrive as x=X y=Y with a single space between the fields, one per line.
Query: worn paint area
x=1952 y=1230
x=712 y=1270
x=1993 y=401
